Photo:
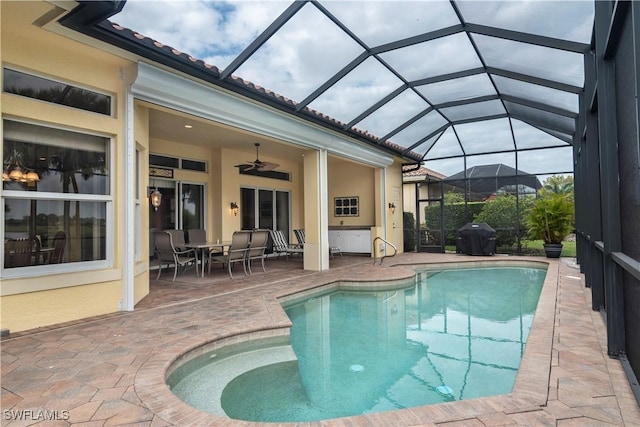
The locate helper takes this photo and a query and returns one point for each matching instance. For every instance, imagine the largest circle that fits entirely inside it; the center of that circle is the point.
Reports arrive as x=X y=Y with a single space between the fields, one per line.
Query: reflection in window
x=192 y=206
x=64 y=231
x=55 y=205
x=52 y=91
x=65 y=162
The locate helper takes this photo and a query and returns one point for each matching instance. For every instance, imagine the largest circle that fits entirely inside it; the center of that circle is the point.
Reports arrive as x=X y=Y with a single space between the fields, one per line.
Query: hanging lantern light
x=156 y=198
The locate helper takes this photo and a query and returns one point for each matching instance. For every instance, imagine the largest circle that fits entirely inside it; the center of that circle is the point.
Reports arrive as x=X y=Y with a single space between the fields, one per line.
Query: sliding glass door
x=266 y=209
x=182 y=207
x=192 y=206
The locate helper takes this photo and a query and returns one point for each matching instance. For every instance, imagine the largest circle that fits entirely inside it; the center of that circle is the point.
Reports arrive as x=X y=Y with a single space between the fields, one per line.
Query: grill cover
x=476 y=239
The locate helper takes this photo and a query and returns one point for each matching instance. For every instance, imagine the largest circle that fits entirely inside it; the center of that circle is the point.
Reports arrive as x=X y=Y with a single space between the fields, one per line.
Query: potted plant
x=550 y=219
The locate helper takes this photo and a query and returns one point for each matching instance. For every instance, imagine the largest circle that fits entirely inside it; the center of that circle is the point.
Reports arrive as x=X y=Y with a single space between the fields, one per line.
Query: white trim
x=45 y=195
x=323 y=208
x=385 y=204
x=130 y=181
x=171 y=90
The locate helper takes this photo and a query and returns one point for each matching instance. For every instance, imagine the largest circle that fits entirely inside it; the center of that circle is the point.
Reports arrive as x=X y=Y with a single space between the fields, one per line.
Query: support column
x=590 y=206
x=130 y=180
x=316 y=211
x=610 y=196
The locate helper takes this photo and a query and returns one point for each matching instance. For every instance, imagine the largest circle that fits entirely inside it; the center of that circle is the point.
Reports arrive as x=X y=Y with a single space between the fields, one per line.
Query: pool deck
x=110 y=370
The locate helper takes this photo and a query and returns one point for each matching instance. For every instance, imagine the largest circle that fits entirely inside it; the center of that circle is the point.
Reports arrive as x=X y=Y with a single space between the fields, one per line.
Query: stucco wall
x=348 y=179
x=35 y=50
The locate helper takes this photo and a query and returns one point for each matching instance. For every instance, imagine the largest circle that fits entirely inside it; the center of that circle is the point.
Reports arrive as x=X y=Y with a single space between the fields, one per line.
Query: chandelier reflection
x=14 y=171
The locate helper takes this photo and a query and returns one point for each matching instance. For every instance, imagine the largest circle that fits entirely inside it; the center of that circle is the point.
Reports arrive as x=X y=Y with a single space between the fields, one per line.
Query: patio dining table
x=202 y=248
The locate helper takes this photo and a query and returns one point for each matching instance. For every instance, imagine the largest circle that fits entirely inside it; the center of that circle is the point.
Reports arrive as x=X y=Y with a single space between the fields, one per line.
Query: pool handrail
x=395 y=250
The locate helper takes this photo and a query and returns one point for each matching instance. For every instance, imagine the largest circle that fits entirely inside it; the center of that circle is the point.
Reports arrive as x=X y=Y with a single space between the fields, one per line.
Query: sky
x=310 y=48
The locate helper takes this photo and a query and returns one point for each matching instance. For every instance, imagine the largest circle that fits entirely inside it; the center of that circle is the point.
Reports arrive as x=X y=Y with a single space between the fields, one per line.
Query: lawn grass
x=568 y=248
x=533 y=248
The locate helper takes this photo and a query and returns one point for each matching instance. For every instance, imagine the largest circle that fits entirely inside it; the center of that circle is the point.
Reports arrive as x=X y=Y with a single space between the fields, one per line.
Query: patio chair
x=281 y=246
x=177 y=237
x=257 y=247
x=237 y=252
x=167 y=253
x=59 y=242
x=300 y=237
x=196 y=235
x=333 y=250
x=22 y=252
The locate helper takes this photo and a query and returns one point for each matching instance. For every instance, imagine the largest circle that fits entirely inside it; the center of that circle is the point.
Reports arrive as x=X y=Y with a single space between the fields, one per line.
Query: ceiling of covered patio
x=452 y=83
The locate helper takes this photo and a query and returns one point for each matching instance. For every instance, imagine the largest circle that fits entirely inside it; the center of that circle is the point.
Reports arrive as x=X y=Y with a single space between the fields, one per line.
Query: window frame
x=254 y=211
x=111 y=96
x=179 y=162
x=107 y=199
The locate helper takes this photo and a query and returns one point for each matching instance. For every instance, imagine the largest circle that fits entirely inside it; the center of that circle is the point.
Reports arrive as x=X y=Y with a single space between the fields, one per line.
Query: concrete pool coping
x=529 y=393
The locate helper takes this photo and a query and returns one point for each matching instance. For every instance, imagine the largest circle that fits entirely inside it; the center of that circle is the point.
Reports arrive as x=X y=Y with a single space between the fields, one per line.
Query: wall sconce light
x=156 y=198
x=234 y=208
x=392 y=208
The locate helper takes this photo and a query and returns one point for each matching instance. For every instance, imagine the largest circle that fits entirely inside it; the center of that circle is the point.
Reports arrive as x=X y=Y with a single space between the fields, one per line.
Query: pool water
x=455 y=334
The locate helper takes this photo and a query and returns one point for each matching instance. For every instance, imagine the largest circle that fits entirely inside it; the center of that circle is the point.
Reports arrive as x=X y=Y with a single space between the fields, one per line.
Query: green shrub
x=409 y=231
x=550 y=217
x=502 y=215
x=454 y=218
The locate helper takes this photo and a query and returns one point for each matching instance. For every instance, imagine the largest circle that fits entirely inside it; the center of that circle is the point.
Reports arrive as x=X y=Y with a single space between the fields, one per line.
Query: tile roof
x=410 y=171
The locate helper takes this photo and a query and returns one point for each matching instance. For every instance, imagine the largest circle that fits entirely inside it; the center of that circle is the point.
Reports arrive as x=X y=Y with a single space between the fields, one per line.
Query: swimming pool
x=452 y=335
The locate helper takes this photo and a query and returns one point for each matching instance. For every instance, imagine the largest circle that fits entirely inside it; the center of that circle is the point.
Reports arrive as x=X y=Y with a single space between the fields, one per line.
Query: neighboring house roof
x=410 y=173
x=490 y=178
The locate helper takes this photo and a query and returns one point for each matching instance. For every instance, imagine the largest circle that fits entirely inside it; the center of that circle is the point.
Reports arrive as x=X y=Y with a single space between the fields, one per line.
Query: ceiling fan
x=257 y=164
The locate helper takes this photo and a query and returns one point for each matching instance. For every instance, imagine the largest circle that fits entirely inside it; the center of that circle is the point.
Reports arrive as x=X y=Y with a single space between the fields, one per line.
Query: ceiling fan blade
x=246 y=166
x=257 y=164
x=267 y=166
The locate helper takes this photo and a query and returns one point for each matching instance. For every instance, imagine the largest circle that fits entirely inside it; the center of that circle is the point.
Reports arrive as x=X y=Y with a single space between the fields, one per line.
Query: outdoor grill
x=476 y=239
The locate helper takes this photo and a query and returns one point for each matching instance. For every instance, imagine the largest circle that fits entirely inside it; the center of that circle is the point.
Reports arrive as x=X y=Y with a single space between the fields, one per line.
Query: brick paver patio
x=110 y=370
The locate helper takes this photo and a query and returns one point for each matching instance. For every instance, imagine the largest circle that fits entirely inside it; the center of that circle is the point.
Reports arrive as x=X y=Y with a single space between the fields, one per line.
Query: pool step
x=223 y=371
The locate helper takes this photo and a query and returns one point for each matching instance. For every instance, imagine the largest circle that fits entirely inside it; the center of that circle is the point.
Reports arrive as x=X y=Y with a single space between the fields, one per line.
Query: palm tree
x=558 y=184
x=70 y=162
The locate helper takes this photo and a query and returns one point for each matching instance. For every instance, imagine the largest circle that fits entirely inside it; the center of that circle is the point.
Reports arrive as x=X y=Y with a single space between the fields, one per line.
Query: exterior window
x=265 y=209
x=43 y=89
x=164 y=161
x=177 y=163
x=55 y=196
x=192 y=206
x=194 y=165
